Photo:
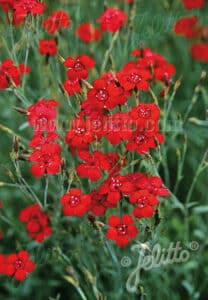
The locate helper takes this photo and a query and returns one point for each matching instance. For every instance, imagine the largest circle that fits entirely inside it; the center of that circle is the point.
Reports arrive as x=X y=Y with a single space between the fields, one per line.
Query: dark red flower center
x=140 y=139
x=135 y=78
x=78 y=66
x=122 y=229
x=144 y=113
x=18 y=264
x=80 y=131
x=74 y=200
x=102 y=95
x=115 y=183
x=142 y=201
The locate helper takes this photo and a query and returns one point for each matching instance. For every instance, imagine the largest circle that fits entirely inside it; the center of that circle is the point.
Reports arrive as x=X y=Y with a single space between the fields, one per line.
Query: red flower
x=23 y=7
x=145 y=202
x=144 y=140
x=134 y=78
x=99 y=203
x=41 y=115
x=19 y=265
x=37 y=221
x=88 y=33
x=47 y=160
x=56 y=20
x=190 y=4
x=121 y=229
x=187 y=26
x=119 y=128
x=79 y=135
x=112 y=19
x=2 y=264
x=47 y=47
x=78 y=66
x=6 y=4
x=94 y=164
x=154 y=185
x=39 y=139
x=145 y=111
x=199 y=51
x=1 y=204
x=75 y=203
x=106 y=95
x=9 y=73
x=114 y=187
x=72 y=86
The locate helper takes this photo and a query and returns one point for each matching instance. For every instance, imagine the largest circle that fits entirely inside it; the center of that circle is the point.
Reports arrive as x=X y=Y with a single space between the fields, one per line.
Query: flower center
x=116 y=183
x=80 y=130
x=28 y=5
x=144 y=113
x=18 y=264
x=140 y=139
x=122 y=229
x=74 y=201
x=102 y=95
x=142 y=201
x=135 y=78
x=78 y=66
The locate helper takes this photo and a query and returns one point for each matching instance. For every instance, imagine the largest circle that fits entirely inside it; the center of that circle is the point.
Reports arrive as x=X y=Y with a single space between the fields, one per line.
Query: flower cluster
x=77 y=69
x=16 y=265
x=37 y=222
x=110 y=113
x=46 y=156
x=190 y=28
x=10 y=74
x=21 y=8
x=136 y=128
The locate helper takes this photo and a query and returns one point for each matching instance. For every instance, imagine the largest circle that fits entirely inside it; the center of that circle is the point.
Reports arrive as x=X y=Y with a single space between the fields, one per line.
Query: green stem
x=108 y=52
x=46 y=191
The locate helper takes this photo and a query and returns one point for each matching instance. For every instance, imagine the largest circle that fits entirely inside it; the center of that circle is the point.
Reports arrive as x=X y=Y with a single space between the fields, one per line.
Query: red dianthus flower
x=41 y=115
x=78 y=66
x=114 y=187
x=94 y=164
x=121 y=229
x=145 y=202
x=9 y=73
x=46 y=160
x=38 y=226
x=112 y=19
x=75 y=203
x=191 y=4
x=19 y=265
x=88 y=33
x=47 y=47
x=56 y=20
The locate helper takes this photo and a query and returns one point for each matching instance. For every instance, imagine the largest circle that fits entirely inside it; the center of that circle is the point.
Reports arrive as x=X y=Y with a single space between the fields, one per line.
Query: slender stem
x=46 y=191
x=25 y=62
x=108 y=52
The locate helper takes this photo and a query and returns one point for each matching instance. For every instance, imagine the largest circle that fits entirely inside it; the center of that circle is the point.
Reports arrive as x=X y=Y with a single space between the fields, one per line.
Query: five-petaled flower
x=75 y=203
x=18 y=265
x=121 y=229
